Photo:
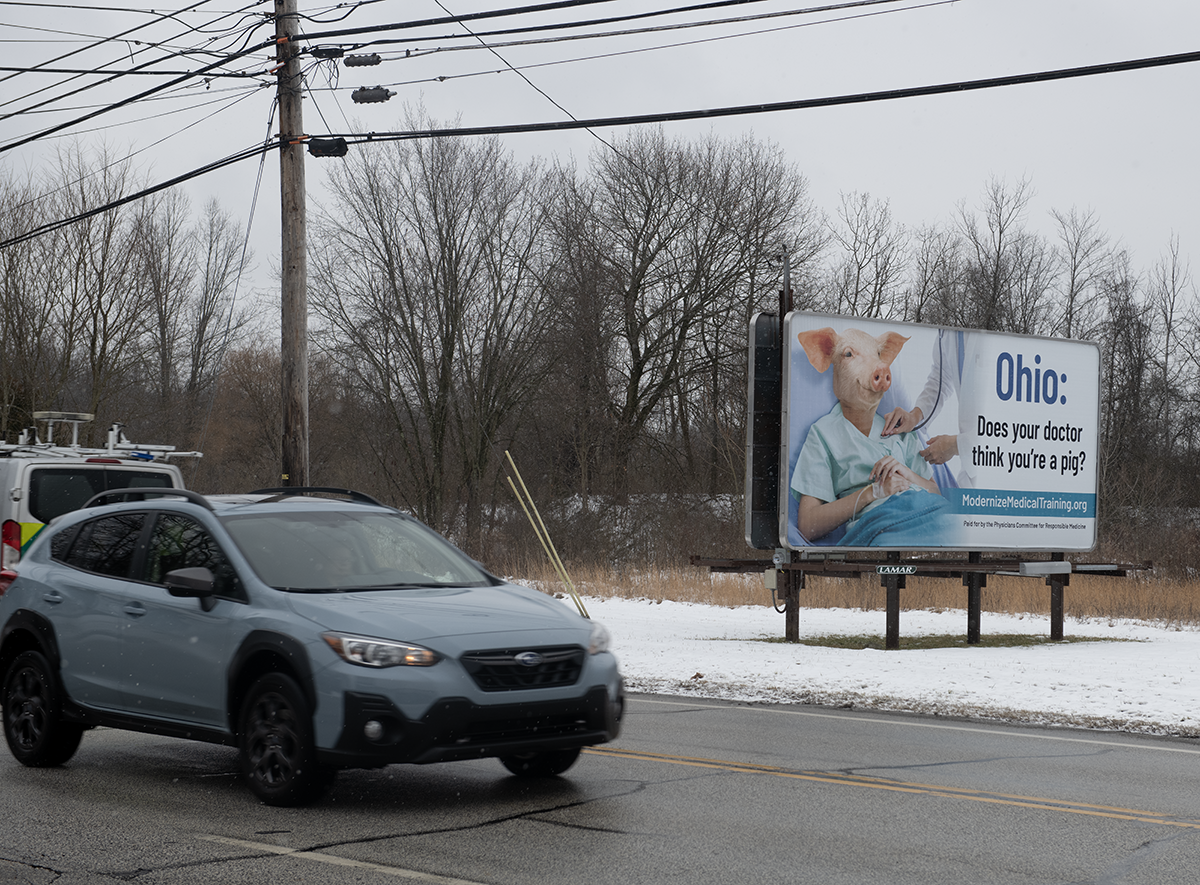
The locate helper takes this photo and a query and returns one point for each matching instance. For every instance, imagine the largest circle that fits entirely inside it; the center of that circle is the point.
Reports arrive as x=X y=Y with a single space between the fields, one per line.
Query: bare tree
x=1172 y=299
x=222 y=260
x=935 y=278
x=1127 y=371
x=165 y=269
x=101 y=305
x=1084 y=255
x=867 y=274
x=1009 y=270
x=27 y=344
x=574 y=424
x=682 y=231
x=422 y=278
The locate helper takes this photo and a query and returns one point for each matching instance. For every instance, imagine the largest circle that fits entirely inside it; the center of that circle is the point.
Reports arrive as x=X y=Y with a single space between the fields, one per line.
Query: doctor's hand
x=940 y=449
x=899 y=420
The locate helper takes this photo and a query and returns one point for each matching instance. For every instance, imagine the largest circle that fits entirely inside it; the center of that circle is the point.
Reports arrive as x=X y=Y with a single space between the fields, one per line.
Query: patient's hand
x=892 y=476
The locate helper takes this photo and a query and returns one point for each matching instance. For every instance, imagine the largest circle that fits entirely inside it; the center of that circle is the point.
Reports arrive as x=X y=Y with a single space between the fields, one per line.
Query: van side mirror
x=197 y=583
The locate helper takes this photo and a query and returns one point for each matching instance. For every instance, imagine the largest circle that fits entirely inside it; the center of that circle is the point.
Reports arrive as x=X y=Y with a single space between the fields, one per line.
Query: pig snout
x=881 y=379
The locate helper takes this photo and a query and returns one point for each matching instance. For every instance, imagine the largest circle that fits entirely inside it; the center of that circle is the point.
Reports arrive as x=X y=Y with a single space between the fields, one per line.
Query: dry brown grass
x=1174 y=602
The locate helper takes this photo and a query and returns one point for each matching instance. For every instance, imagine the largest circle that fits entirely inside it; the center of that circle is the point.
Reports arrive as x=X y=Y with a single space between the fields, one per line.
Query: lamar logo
x=895 y=569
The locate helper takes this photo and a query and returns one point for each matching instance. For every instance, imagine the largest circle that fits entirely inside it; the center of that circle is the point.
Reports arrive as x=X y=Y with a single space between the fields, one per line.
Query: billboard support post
x=793 y=584
x=1056 y=582
x=894 y=584
x=975 y=582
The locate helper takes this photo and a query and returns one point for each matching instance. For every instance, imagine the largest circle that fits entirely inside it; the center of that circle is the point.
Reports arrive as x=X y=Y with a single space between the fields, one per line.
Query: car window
x=178 y=541
x=54 y=491
x=342 y=550
x=106 y=545
x=60 y=544
x=136 y=479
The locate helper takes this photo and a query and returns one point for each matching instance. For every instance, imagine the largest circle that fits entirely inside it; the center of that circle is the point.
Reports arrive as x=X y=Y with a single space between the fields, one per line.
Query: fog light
x=373 y=730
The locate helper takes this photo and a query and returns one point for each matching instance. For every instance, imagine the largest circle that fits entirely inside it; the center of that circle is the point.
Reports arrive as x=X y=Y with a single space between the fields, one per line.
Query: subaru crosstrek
x=312 y=631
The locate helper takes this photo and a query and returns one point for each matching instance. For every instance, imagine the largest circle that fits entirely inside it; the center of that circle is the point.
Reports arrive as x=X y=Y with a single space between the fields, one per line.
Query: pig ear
x=818 y=344
x=890 y=342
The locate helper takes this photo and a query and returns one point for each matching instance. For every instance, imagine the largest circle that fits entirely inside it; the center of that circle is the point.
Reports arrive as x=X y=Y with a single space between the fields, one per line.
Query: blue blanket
x=913 y=518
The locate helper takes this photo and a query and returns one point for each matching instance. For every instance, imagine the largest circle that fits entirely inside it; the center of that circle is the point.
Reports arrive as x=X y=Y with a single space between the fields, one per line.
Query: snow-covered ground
x=1146 y=679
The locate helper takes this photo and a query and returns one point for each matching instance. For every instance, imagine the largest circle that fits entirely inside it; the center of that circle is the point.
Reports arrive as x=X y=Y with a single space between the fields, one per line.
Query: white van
x=41 y=480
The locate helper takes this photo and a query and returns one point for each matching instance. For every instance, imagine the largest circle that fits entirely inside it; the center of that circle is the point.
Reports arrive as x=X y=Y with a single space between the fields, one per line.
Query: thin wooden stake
x=543 y=534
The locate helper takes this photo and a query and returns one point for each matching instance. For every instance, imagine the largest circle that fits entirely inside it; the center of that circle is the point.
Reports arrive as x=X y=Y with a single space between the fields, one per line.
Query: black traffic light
x=327 y=147
x=371 y=94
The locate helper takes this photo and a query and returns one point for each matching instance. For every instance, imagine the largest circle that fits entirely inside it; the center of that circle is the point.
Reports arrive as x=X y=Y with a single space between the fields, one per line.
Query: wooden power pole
x=293 y=255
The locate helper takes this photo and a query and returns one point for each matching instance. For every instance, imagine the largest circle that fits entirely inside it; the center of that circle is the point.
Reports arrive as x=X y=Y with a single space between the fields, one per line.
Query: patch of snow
x=1143 y=681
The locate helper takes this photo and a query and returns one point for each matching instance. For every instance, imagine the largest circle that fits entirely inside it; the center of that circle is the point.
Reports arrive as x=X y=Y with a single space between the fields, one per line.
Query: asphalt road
x=693 y=792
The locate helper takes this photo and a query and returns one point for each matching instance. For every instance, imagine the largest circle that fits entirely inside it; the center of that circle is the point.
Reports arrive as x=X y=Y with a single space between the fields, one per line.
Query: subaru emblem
x=529 y=658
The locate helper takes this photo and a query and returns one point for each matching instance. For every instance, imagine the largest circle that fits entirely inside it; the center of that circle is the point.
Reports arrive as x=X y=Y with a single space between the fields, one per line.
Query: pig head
x=862 y=364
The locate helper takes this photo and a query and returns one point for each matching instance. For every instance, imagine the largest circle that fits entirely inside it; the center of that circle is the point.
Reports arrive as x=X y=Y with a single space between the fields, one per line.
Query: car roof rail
x=139 y=494
x=317 y=492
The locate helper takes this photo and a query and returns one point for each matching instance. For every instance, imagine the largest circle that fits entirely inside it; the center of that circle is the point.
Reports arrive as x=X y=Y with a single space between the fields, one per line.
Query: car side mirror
x=197 y=583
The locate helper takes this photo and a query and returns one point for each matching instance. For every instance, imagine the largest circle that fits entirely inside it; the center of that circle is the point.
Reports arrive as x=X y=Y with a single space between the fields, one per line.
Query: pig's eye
x=847 y=354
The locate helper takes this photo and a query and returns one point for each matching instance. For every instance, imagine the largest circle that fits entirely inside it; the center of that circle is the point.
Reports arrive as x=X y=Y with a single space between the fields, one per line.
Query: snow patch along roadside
x=1144 y=683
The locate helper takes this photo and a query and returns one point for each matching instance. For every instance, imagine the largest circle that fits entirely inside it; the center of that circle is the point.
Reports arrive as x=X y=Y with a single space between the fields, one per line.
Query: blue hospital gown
x=837 y=459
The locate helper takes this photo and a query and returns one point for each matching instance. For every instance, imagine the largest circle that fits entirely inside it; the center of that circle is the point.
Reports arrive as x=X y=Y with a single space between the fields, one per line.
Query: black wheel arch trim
x=279 y=645
x=36 y=625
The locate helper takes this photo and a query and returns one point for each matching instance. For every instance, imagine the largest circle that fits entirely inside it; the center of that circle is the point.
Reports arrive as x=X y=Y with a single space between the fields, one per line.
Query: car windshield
x=329 y=551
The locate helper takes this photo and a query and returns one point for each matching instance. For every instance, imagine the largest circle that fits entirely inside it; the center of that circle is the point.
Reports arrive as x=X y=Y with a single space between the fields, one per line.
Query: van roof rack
x=30 y=445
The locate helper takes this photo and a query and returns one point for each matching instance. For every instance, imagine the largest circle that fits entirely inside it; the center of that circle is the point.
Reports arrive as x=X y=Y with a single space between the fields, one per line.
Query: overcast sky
x=1122 y=145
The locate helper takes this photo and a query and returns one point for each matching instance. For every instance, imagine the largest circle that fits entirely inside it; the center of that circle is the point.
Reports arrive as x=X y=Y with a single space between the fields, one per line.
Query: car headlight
x=599 y=639
x=379 y=652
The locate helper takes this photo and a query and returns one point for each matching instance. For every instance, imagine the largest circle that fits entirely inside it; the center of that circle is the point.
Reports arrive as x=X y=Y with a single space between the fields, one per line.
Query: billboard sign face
x=909 y=437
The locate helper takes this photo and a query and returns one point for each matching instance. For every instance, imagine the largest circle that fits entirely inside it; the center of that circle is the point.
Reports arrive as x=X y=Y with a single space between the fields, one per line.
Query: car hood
x=424 y=614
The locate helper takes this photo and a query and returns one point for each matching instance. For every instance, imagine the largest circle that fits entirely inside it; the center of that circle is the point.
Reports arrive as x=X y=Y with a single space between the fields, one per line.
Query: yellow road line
x=878 y=783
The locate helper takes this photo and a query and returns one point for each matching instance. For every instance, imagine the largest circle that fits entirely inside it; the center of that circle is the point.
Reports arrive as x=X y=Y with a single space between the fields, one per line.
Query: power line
x=642 y=119
x=517 y=10
x=99 y=71
x=774 y=107
x=114 y=106
x=118 y=36
x=656 y=48
x=718 y=4
x=52 y=226
x=85 y=88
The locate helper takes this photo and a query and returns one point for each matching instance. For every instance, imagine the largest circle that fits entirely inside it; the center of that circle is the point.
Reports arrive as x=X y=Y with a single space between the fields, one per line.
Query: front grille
x=503 y=670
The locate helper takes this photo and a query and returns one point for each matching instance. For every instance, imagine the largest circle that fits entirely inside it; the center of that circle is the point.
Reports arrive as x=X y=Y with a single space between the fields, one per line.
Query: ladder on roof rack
x=30 y=445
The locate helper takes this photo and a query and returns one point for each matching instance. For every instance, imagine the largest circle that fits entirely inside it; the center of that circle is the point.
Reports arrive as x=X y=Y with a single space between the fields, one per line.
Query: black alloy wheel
x=33 y=724
x=278 y=750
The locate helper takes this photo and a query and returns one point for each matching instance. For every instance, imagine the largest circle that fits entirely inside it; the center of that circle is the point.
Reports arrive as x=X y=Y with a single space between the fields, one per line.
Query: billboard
x=910 y=437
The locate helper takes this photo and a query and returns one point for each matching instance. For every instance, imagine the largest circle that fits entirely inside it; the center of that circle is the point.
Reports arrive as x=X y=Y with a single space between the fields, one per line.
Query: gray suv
x=313 y=629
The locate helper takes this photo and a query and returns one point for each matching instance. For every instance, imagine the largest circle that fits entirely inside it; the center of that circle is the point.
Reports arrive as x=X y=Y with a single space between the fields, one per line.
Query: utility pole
x=293 y=254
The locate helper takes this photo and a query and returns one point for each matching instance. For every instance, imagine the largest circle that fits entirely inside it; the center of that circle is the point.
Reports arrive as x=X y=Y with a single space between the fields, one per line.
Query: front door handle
x=135 y=609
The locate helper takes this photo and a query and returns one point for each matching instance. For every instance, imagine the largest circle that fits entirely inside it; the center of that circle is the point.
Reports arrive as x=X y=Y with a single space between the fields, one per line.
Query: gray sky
x=1121 y=145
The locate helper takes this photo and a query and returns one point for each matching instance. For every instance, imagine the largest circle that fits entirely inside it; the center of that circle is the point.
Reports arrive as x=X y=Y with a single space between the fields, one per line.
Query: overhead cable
x=665 y=117
x=795 y=105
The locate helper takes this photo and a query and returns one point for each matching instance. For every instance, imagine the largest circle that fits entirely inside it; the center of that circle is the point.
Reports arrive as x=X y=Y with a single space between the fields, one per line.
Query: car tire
x=549 y=763
x=32 y=703
x=278 y=750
